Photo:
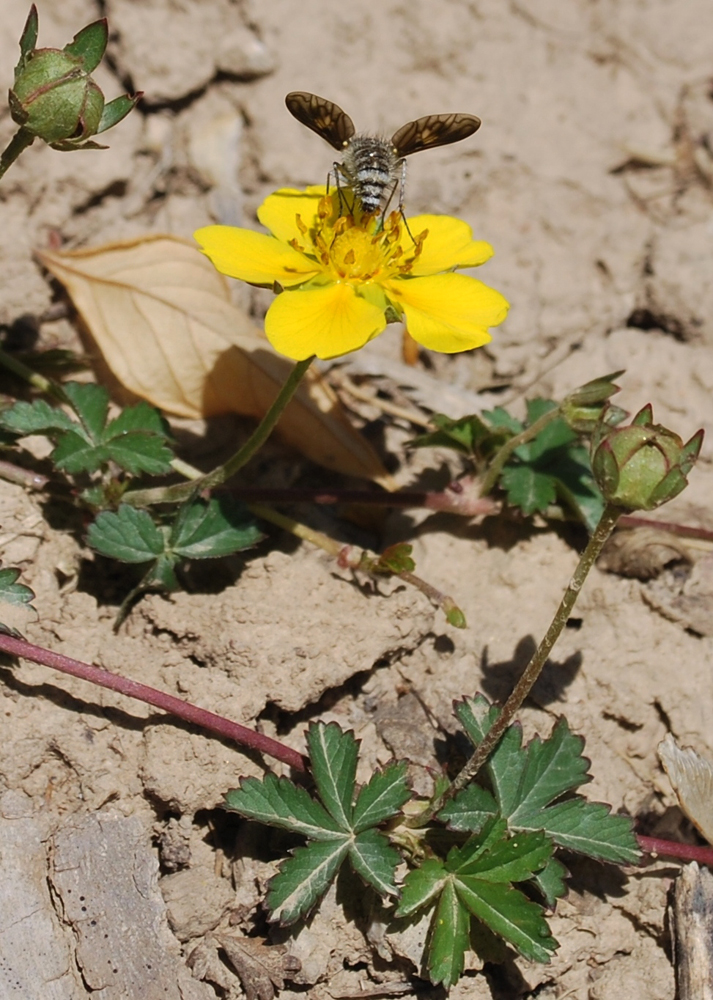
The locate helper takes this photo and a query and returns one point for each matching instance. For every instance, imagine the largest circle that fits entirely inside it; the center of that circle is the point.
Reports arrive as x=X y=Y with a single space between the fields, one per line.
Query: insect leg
x=392 y=192
x=401 y=184
x=339 y=172
x=402 y=187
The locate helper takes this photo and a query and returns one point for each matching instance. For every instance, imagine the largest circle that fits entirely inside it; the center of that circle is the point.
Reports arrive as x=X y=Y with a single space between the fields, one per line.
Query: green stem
x=37 y=381
x=496 y=466
x=19 y=142
x=183 y=491
x=607 y=523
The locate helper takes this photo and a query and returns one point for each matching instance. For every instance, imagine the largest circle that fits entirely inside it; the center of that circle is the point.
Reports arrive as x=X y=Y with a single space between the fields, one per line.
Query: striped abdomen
x=369 y=165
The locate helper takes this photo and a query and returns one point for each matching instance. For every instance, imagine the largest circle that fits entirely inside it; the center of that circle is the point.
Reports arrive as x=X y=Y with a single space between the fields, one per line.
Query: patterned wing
x=433 y=130
x=326 y=119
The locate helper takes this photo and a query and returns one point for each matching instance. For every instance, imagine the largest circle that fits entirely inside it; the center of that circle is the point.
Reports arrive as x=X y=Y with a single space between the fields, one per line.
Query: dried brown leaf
x=642 y=553
x=692 y=778
x=162 y=318
x=261 y=968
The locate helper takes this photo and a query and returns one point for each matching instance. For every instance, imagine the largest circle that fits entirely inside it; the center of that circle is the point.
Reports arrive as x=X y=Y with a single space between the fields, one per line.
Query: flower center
x=363 y=250
x=355 y=256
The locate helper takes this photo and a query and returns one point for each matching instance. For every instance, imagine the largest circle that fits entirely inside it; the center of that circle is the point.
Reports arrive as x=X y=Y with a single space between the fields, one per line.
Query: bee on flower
x=342 y=278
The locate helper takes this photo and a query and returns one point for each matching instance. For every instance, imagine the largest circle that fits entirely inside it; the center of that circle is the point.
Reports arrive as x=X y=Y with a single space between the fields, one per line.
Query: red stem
x=672 y=527
x=672 y=849
x=176 y=706
x=241 y=734
x=458 y=498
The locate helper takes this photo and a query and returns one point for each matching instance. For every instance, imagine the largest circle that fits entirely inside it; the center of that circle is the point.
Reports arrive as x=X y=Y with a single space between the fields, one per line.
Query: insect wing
x=326 y=119
x=433 y=130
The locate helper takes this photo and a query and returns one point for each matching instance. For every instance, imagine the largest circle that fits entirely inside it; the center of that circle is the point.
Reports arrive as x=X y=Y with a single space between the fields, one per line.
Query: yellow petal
x=449 y=244
x=254 y=257
x=448 y=312
x=327 y=321
x=279 y=212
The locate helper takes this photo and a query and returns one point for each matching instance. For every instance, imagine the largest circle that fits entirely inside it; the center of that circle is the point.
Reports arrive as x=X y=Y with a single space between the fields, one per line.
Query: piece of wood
x=35 y=949
x=105 y=873
x=693 y=933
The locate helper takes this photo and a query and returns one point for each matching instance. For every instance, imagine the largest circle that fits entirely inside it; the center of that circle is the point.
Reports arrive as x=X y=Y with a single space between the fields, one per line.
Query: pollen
x=365 y=251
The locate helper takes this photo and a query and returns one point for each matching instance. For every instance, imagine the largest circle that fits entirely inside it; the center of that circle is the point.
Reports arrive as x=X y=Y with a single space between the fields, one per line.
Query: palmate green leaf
x=484 y=870
x=204 y=530
x=396 y=559
x=375 y=860
x=476 y=880
x=136 y=440
x=382 y=797
x=553 y=467
x=304 y=877
x=278 y=802
x=217 y=528
x=329 y=824
x=449 y=938
x=510 y=914
x=333 y=757
x=527 y=781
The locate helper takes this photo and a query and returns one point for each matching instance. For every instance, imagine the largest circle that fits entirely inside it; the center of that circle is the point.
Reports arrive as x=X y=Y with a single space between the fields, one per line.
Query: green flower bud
x=54 y=98
x=583 y=408
x=644 y=465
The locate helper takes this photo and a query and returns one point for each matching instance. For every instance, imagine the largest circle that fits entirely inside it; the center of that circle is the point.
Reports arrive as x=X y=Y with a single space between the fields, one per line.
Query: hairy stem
x=496 y=466
x=37 y=381
x=19 y=142
x=607 y=522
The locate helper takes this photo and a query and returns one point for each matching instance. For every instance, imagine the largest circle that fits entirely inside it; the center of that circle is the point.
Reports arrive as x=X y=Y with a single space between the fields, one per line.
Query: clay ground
x=592 y=176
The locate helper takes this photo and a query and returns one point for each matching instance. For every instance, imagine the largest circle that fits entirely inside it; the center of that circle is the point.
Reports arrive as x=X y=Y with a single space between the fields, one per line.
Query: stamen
x=343 y=223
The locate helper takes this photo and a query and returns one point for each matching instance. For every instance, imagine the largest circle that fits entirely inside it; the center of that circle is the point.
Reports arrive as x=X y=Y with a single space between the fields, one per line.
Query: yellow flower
x=344 y=279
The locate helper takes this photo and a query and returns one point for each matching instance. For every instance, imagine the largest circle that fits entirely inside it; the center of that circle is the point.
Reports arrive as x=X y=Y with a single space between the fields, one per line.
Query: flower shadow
x=500 y=678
